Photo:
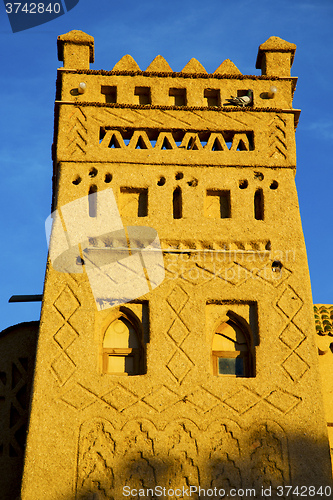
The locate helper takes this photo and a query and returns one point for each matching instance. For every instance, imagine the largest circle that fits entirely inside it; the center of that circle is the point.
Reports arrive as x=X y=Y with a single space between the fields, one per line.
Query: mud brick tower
x=210 y=377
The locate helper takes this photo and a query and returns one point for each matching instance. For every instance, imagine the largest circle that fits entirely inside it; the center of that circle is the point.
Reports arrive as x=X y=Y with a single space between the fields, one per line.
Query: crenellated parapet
x=161 y=116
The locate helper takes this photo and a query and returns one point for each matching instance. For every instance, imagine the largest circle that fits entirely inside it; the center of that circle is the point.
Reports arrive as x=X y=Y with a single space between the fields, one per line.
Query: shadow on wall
x=223 y=461
x=17 y=362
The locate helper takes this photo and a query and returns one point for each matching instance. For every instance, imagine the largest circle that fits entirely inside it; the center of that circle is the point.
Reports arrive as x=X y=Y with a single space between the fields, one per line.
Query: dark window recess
x=143 y=203
x=110 y=93
x=177 y=97
x=142 y=95
x=212 y=97
x=161 y=181
x=177 y=203
x=259 y=204
x=92 y=201
x=134 y=202
x=218 y=204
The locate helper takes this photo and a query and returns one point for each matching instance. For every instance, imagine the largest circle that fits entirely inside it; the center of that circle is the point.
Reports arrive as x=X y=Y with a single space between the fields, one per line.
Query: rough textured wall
x=217 y=184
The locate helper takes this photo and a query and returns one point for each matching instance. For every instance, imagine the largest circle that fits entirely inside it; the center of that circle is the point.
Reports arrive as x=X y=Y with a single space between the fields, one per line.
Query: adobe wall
x=190 y=169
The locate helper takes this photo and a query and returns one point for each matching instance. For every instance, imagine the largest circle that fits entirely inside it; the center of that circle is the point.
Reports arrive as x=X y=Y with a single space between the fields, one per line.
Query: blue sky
x=210 y=31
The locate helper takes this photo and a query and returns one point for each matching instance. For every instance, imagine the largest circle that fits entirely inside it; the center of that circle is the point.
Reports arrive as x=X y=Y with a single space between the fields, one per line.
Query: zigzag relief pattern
x=63 y=366
x=161 y=398
x=290 y=303
x=140 y=456
x=277 y=138
x=170 y=120
x=199 y=268
x=180 y=363
x=77 y=132
x=131 y=139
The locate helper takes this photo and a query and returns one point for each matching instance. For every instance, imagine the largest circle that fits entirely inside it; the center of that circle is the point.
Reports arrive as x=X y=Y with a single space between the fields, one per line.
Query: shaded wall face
x=217 y=185
x=17 y=358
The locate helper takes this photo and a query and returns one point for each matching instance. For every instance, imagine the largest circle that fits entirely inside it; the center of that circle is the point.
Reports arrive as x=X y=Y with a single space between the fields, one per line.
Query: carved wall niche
x=141 y=457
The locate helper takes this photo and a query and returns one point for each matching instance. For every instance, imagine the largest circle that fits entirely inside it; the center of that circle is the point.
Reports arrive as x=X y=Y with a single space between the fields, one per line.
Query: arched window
x=231 y=350
x=123 y=352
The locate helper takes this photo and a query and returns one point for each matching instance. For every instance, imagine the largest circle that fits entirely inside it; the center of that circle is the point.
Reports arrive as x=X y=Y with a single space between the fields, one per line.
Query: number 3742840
x=304 y=491
x=33 y=8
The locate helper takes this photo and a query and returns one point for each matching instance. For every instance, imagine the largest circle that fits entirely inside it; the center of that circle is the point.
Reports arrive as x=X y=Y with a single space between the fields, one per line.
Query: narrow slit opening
x=92 y=201
x=259 y=204
x=177 y=203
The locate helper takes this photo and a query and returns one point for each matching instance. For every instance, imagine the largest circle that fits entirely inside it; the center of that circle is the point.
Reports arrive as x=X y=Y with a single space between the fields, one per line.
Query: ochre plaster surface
x=233 y=251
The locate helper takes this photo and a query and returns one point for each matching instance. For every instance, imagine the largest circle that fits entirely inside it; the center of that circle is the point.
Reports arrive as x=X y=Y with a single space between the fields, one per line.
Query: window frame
x=247 y=356
x=137 y=353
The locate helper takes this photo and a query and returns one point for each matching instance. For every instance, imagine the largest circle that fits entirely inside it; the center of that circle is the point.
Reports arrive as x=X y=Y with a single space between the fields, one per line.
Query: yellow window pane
x=120 y=364
x=229 y=337
x=120 y=334
x=116 y=364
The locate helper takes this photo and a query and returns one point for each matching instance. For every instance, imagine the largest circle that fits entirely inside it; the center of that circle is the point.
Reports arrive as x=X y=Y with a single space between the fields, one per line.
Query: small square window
x=142 y=95
x=110 y=93
x=177 y=97
x=212 y=97
x=133 y=202
x=217 y=204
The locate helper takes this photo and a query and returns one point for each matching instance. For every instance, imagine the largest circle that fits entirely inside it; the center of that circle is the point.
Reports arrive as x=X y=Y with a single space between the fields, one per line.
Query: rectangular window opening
x=217 y=204
x=133 y=202
x=212 y=97
x=177 y=97
x=142 y=95
x=110 y=93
